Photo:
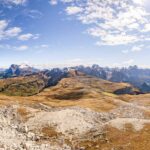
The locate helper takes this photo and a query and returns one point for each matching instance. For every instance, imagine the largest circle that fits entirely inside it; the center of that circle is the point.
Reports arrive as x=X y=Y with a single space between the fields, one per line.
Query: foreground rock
x=23 y=127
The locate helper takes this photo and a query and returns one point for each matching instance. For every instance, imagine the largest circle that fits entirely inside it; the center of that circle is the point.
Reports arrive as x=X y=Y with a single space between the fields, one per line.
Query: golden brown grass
x=98 y=102
x=96 y=95
x=50 y=132
x=84 y=91
x=129 y=139
x=22 y=111
x=22 y=86
x=120 y=140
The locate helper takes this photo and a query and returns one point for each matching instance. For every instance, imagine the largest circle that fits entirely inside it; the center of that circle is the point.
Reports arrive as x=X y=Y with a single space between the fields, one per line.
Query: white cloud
x=15 y=2
x=70 y=63
x=35 y=36
x=12 y=32
x=41 y=46
x=139 y=1
x=28 y=36
x=44 y=46
x=35 y=14
x=112 y=22
x=25 y=37
x=37 y=48
x=125 y=63
x=146 y=28
x=117 y=39
x=3 y=25
x=128 y=62
x=53 y=2
x=137 y=48
x=6 y=33
x=21 y=48
x=80 y=61
x=72 y=10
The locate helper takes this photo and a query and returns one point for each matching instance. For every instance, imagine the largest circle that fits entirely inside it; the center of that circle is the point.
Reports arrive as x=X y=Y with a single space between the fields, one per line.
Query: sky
x=57 y=33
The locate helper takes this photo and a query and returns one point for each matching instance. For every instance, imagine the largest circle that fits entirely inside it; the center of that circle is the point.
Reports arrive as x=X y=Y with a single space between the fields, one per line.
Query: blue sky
x=47 y=33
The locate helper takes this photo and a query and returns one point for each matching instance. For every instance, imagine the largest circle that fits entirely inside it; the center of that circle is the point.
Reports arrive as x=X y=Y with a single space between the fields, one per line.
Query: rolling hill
x=78 y=83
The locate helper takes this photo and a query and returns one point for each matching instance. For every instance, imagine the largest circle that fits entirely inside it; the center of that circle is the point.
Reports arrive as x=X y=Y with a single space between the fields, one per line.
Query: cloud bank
x=112 y=22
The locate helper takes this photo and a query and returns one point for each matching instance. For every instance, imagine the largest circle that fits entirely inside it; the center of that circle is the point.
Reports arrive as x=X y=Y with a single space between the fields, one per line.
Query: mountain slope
x=82 y=83
x=18 y=70
x=85 y=91
x=30 y=84
x=23 y=86
x=133 y=75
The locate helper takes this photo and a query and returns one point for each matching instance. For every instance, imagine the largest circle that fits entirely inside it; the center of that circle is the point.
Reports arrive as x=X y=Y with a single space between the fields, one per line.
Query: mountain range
x=139 y=78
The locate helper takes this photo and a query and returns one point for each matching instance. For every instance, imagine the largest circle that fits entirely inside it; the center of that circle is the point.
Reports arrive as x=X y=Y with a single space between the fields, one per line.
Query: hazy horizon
x=61 y=66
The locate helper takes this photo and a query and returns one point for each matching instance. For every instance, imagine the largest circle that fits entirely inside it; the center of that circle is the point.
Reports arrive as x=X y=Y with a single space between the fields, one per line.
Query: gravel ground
x=71 y=122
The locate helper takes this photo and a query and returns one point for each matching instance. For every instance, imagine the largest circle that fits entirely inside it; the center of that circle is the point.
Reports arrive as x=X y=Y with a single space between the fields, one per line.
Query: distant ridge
x=138 y=77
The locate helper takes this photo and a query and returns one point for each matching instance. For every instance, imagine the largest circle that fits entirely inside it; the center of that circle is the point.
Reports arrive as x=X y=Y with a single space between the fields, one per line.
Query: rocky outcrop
x=127 y=90
x=145 y=88
x=18 y=70
x=133 y=75
x=54 y=76
x=31 y=84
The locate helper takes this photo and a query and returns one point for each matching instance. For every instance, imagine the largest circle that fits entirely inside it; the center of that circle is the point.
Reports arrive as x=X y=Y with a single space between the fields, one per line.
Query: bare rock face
x=127 y=90
x=39 y=129
x=73 y=121
x=16 y=135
